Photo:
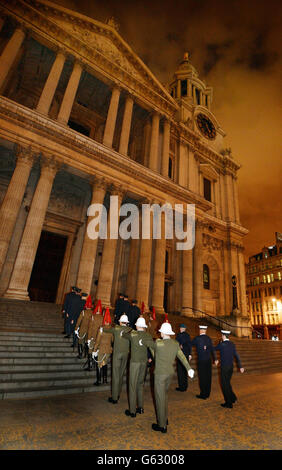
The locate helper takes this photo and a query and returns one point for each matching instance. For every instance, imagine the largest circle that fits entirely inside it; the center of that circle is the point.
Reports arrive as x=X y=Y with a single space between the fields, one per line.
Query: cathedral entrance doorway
x=47 y=267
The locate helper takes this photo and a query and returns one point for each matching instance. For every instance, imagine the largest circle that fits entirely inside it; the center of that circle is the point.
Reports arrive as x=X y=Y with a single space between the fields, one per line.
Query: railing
x=222 y=322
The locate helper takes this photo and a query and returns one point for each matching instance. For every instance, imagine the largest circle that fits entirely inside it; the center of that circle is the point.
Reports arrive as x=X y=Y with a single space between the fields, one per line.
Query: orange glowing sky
x=236 y=48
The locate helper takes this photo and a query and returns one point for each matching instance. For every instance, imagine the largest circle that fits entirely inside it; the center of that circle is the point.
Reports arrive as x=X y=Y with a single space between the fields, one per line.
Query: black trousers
x=229 y=395
x=205 y=377
x=182 y=376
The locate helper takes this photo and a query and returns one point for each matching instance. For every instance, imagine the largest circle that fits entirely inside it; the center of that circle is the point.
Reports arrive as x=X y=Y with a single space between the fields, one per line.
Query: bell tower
x=195 y=98
x=187 y=86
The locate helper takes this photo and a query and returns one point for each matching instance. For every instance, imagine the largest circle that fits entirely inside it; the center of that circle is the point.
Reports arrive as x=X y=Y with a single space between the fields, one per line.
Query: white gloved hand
x=88 y=342
x=101 y=329
x=76 y=331
x=95 y=354
x=191 y=373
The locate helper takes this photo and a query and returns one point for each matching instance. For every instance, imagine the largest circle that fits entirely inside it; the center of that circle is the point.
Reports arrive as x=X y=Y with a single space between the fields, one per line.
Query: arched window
x=206 y=276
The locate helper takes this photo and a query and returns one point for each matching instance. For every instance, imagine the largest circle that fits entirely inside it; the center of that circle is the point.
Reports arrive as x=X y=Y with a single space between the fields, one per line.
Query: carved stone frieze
x=212 y=243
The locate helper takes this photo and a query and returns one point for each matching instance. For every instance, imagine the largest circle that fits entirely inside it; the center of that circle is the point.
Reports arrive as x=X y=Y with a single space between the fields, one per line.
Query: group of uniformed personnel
x=135 y=334
x=206 y=352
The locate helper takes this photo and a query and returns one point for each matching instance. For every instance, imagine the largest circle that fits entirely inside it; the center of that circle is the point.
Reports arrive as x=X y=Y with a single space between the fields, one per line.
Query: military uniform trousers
x=119 y=366
x=182 y=376
x=137 y=371
x=229 y=395
x=162 y=383
x=205 y=377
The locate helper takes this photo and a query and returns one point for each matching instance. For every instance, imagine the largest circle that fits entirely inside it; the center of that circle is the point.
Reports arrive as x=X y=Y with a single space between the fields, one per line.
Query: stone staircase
x=37 y=361
x=19 y=315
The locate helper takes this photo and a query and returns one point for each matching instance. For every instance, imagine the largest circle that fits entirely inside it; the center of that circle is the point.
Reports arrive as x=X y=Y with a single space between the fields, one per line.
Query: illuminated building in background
x=264 y=289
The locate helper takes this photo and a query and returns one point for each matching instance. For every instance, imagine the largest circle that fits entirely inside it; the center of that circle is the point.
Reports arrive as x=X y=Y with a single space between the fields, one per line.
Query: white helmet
x=123 y=319
x=166 y=329
x=141 y=322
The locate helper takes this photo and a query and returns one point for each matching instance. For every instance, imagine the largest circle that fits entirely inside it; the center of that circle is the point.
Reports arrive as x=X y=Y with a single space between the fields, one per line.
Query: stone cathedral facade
x=83 y=118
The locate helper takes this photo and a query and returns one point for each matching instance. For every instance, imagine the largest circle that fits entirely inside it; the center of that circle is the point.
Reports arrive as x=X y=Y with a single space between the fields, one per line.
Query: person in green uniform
x=138 y=365
x=120 y=356
x=165 y=351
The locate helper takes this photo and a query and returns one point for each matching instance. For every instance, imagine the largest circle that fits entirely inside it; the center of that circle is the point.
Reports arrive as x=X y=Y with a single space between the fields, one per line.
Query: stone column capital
x=116 y=86
x=61 y=50
x=25 y=155
x=118 y=190
x=155 y=113
x=99 y=182
x=128 y=96
x=50 y=164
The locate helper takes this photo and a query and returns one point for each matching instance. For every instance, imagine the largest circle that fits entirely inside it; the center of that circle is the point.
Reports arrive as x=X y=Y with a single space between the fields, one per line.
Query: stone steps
x=37 y=361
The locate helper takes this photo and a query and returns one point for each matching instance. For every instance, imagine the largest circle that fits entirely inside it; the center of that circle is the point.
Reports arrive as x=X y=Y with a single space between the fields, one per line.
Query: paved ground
x=88 y=421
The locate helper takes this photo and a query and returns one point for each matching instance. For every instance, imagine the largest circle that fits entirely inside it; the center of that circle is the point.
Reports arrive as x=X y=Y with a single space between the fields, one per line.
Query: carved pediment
x=110 y=52
x=207 y=170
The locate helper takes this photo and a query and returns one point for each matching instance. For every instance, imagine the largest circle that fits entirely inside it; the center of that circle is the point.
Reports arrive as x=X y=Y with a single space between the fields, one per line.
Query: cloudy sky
x=236 y=48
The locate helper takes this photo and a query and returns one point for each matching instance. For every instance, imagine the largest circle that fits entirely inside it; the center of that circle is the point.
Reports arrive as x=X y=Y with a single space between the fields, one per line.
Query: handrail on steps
x=258 y=334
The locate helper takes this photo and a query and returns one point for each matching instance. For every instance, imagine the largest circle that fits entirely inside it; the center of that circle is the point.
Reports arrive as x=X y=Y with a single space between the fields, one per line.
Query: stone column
x=183 y=164
x=10 y=52
x=165 y=152
x=178 y=89
x=187 y=282
x=146 y=142
x=154 y=144
x=126 y=125
x=29 y=243
x=51 y=84
x=242 y=281
x=111 y=118
x=69 y=96
x=132 y=268
x=13 y=199
x=144 y=269
x=89 y=248
x=106 y=274
x=198 y=268
x=236 y=200
x=159 y=270
x=229 y=198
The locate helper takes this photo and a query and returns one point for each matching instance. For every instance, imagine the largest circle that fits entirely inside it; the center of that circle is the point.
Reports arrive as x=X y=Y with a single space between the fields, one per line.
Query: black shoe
x=226 y=405
x=180 y=389
x=67 y=336
x=127 y=412
x=234 y=401
x=112 y=401
x=156 y=427
x=72 y=345
x=201 y=396
x=140 y=410
x=97 y=383
x=63 y=332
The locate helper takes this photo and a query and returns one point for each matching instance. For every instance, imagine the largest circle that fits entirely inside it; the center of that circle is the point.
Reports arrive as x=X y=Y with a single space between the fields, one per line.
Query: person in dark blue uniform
x=118 y=308
x=69 y=298
x=205 y=351
x=227 y=351
x=133 y=314
x=184 y=341
x=125 y=306
x=73 y=309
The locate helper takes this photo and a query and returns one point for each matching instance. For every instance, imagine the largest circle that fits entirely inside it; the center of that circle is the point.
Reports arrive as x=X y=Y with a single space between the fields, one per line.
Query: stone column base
x=187 y=312
x=159 y=309
x=17 y=294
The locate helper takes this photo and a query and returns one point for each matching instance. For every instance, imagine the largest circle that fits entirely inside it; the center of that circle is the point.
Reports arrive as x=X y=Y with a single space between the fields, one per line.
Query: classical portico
x=83 y=118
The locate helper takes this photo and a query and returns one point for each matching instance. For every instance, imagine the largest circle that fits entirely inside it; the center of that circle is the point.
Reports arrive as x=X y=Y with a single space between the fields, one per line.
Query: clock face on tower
x=206 y=126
